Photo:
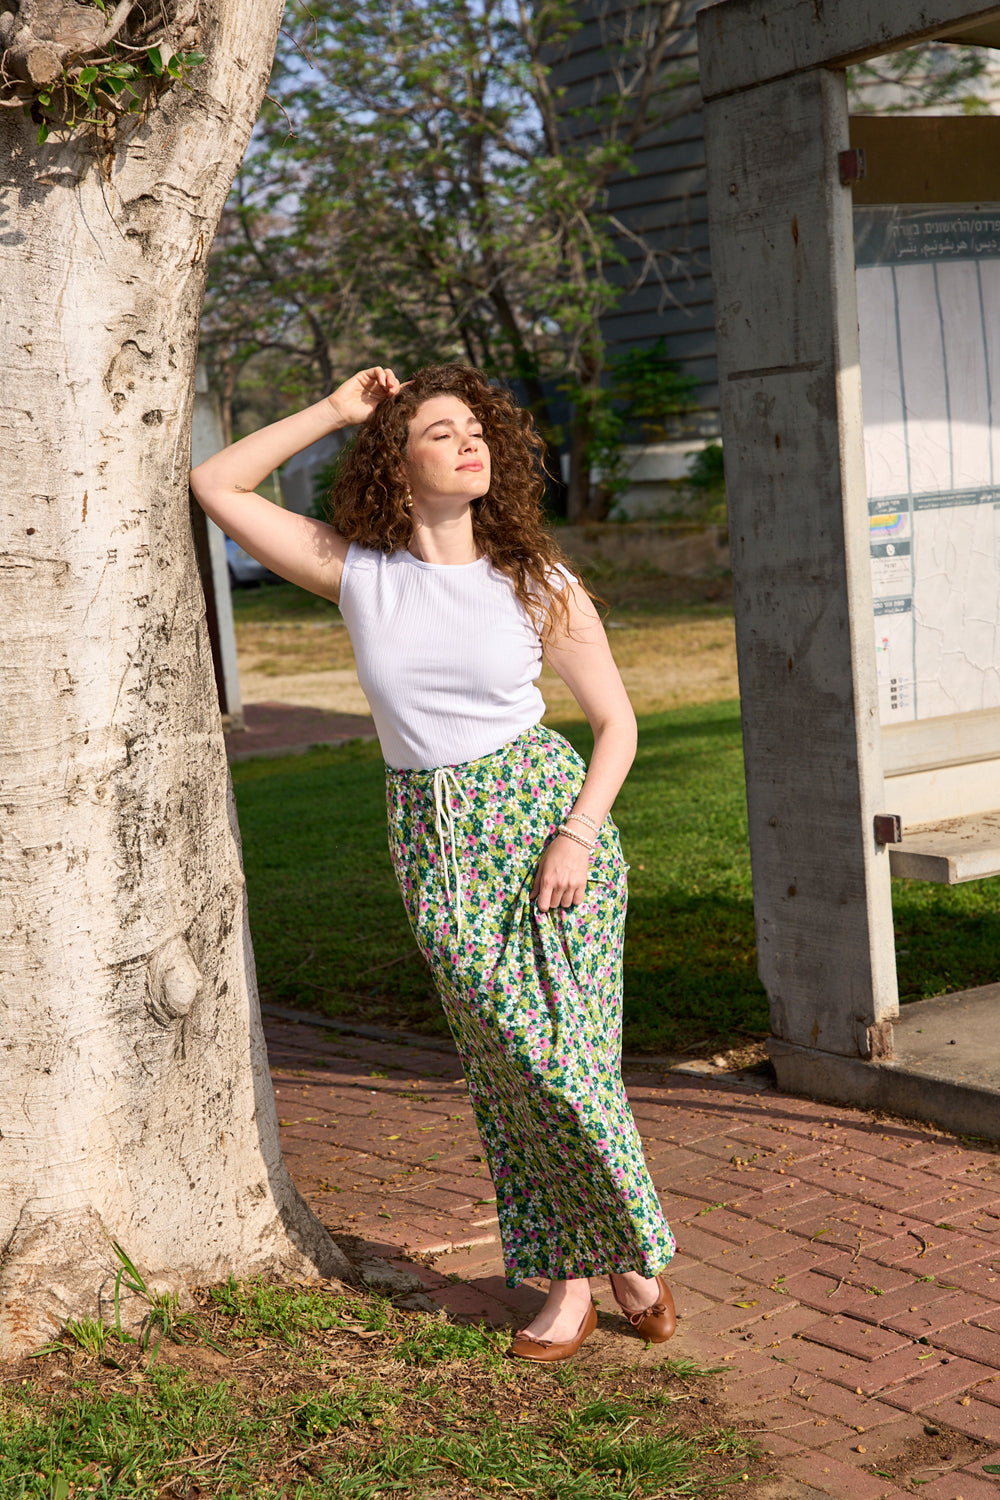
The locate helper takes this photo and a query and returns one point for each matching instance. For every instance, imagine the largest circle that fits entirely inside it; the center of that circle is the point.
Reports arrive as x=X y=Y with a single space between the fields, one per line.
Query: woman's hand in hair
x=358 y=397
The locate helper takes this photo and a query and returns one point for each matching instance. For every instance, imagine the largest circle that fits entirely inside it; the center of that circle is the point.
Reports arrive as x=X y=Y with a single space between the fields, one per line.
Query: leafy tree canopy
x=424 y=187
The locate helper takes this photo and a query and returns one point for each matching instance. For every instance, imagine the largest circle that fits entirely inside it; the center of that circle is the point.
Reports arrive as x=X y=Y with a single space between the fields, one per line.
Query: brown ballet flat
x=525 y=1346
x=657 y=1323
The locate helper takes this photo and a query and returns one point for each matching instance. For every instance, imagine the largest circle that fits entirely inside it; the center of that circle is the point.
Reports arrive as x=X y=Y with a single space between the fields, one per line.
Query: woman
x=510 y=868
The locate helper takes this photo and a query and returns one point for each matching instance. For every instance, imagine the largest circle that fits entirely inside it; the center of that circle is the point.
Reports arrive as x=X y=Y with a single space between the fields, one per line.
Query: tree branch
x=119 y=16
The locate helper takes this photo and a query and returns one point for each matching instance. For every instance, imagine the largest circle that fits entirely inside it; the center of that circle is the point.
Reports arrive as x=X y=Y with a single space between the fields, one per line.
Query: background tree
x=135 y=1103
x=425 y=192
x=932 y=76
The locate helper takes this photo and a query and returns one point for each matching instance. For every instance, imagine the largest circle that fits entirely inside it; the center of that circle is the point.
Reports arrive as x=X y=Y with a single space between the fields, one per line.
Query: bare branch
x=119 y=16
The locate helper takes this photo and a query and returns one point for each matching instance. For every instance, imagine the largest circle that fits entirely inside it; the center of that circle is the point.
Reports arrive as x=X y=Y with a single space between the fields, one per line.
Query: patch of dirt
x=196 y=1359
x=929 y=1456
x=665 y=662
x=919 y=1461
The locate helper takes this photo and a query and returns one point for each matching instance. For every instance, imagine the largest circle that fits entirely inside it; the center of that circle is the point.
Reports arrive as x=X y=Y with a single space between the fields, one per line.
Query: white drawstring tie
x=444 y=824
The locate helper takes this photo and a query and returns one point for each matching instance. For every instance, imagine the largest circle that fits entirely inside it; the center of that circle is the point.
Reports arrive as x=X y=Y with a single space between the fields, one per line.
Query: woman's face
x=446 y=459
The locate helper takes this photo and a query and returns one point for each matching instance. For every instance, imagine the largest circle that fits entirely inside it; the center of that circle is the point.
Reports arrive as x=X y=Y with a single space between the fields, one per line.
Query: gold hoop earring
x=408 y=500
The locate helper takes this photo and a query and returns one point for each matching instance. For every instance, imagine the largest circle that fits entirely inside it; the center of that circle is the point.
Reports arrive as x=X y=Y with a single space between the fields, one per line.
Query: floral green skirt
x=534 y=1002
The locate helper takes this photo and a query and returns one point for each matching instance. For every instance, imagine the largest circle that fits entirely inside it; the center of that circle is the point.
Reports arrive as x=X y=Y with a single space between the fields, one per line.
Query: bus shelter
x=856 y=272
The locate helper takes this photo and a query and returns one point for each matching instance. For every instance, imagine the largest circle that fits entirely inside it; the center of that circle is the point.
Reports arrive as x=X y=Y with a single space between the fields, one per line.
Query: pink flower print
x=509 y=848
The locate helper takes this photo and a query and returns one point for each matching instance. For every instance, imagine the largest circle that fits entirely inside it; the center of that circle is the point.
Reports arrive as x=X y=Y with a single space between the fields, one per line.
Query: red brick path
x=287 y=729
x=843 y=1267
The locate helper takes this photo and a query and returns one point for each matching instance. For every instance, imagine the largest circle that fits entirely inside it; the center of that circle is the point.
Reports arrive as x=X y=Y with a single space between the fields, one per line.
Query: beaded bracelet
x=569 y=834
x=582 y=818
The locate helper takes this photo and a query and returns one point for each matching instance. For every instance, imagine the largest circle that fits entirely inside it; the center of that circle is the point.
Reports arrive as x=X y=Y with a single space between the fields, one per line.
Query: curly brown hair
x=367 y=501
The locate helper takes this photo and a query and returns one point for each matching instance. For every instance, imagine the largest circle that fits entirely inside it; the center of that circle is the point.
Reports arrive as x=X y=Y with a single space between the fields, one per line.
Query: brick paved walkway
x=841 y=1266
x=287 y=729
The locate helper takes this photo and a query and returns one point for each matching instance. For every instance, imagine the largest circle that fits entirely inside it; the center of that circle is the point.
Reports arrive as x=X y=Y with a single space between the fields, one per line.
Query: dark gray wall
x=666 y=295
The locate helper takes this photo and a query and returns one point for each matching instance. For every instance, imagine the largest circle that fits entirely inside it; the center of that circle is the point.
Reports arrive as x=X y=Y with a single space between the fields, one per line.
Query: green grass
x=264 y=1310
x=623 y=591
x=131 y=1445
x=324 y=1394
x=328 y=924
x=330 y=933
x=271 y=603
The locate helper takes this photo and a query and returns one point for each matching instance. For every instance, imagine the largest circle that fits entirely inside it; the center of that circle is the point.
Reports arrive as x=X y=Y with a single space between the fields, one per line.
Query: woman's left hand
x=561 y=877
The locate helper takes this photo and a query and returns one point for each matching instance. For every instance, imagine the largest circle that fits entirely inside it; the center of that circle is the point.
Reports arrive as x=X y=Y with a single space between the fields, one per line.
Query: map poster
x=929 y=313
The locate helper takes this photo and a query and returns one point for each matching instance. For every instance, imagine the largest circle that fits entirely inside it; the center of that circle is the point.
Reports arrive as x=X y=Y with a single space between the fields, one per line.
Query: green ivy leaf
x=45 y=98
x=87 y=76
x=43 y=133
x=174 y=66
x=193 y=59
x=155 y=59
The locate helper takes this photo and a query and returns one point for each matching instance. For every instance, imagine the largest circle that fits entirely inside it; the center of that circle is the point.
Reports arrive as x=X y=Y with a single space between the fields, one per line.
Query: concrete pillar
x=783 y=272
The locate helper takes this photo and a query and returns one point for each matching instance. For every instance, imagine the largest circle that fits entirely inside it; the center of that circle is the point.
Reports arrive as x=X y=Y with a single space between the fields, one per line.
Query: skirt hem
x=602 y=1269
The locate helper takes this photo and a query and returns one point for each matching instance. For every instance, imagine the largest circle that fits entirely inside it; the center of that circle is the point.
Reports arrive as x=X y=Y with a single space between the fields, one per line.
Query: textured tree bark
x=135 y=1101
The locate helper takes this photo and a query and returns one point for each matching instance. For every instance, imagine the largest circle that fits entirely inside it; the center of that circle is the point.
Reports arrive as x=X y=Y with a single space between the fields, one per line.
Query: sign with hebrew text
x=928 y=283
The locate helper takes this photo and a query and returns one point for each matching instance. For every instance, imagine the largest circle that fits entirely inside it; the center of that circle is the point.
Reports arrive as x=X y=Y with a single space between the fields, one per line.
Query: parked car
x=246 y=570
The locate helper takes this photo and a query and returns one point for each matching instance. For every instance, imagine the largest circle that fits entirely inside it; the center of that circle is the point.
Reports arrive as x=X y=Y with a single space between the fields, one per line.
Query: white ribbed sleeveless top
x=447 y=656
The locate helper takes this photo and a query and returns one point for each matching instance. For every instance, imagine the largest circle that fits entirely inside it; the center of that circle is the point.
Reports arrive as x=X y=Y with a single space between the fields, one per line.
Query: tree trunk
x=578 y=485
x=135 y=1100
x=226 y=400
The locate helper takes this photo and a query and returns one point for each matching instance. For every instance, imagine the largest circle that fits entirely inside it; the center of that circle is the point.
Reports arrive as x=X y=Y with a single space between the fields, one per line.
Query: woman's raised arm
x=307 y=552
